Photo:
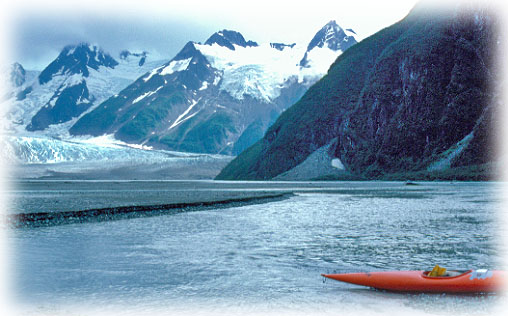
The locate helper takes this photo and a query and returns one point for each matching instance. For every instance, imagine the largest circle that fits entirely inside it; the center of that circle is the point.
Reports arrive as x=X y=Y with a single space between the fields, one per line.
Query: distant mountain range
x=417 y=100
x=216 y=97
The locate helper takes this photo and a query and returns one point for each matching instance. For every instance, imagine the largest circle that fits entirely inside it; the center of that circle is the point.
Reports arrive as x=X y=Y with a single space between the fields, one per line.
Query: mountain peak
x=332 y=23
x=228 y=38
x=76 y=59
x=81 y=50
x=90 y=54
x=331 y=35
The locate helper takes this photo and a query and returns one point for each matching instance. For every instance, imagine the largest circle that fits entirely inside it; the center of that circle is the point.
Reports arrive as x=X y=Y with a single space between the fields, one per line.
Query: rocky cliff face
x=417 y=97
x=421 y=99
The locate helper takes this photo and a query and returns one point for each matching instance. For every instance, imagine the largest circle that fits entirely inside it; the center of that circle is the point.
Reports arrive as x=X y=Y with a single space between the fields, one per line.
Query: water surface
x=264 y=258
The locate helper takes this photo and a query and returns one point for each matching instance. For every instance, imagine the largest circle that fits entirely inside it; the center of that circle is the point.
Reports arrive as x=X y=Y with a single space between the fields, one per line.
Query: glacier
x=45 y=157
x=261 y=71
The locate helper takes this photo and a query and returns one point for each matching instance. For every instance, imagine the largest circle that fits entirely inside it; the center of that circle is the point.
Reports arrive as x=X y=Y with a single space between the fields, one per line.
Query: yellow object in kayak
x=437 y=271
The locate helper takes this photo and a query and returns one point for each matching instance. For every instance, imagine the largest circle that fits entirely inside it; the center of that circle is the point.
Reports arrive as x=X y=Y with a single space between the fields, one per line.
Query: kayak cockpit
x=447 y=274
x=440 y=272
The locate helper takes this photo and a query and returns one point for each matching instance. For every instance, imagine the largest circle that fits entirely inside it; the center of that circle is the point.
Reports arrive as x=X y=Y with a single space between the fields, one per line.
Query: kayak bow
x=471 y=281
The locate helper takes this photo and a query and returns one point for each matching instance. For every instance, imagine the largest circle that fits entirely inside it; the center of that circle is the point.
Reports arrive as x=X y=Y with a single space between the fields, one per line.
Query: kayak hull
x=472 y=281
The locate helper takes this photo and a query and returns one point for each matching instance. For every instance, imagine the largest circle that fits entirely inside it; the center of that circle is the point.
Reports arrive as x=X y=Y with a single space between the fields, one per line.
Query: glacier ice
x=262 y=71
x=36 y=157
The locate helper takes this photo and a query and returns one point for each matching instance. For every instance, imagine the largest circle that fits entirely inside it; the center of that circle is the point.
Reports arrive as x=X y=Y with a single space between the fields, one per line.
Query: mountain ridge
x=80 y=76
x=75 y=59
x=229 y=38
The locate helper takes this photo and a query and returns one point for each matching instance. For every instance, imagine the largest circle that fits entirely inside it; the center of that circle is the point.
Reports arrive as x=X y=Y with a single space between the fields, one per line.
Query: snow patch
x=147 y=94
x=153 y=73
x=180 y=119
x=319 y=59
x=204 y=86
x=74 y=80
x=71 y=51
x=176 y=65
x=109 y=141
x=106 y=140
x=336 y=163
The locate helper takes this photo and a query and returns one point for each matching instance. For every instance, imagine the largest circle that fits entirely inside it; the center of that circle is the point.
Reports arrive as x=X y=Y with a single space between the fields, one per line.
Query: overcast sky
x=40 y=29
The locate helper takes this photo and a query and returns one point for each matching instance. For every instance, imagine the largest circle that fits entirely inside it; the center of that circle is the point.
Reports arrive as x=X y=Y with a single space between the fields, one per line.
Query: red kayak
x=471 y=281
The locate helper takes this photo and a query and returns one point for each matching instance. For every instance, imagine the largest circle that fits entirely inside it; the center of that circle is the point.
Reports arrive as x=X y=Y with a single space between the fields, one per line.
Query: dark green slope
x=428 y=91
x=397 y=102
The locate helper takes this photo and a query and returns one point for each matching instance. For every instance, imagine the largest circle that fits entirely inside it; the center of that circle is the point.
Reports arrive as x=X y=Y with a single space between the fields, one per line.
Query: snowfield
x=263 y=71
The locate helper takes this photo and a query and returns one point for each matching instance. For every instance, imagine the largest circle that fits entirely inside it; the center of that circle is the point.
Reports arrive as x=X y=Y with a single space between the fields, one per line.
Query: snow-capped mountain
x=79 y=79
x=322 y=49
x=216 y=97
x=78 y=59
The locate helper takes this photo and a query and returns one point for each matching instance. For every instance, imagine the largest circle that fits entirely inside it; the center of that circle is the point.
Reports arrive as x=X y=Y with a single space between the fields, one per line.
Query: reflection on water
x=266 y=257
